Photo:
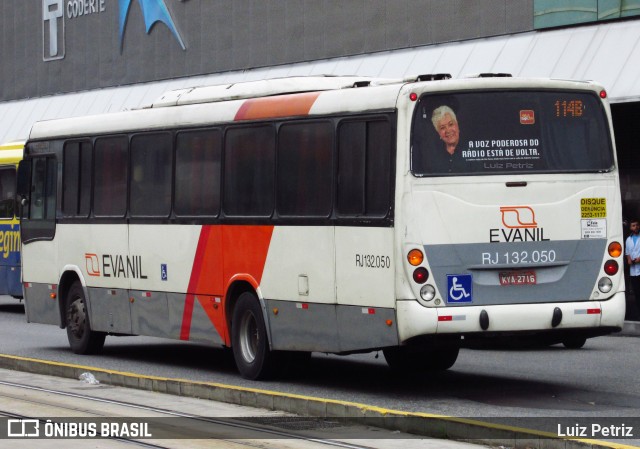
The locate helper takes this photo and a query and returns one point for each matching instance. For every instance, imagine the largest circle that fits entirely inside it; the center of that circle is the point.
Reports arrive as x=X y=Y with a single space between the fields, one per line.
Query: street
x=526 y=385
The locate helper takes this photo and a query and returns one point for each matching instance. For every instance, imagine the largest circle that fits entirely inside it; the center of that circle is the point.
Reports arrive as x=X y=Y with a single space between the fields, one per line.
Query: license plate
x=518 y=278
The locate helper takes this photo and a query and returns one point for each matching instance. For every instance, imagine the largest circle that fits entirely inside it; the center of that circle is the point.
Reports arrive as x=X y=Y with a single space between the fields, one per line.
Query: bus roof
x=265 y=88
x=275 y=98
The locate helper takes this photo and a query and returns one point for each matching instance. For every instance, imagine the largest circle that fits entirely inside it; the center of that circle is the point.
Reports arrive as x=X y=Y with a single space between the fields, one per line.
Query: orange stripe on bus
x=223 y=253
x=193 y=281
x=278 y=106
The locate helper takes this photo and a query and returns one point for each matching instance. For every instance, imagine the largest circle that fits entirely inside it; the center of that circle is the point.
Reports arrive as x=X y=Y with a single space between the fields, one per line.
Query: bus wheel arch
x=82 y=339
x=234 y=291
x=68 y=278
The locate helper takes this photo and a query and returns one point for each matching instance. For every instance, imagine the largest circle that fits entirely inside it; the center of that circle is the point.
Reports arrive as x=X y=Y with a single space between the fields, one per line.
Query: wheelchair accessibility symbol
x=459 y=288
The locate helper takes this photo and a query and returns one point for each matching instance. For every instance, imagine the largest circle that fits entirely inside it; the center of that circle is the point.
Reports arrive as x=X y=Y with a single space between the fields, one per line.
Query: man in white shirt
x=632 y=250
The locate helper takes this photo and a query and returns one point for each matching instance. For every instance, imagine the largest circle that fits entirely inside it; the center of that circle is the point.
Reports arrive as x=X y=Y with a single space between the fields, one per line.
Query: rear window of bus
x=500 y=132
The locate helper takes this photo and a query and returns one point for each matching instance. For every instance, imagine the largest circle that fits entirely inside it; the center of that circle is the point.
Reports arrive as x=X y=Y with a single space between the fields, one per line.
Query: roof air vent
x=433 y=77
x=494 y=75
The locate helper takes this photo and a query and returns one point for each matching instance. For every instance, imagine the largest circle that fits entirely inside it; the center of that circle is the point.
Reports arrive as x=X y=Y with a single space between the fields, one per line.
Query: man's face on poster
x=448 y=130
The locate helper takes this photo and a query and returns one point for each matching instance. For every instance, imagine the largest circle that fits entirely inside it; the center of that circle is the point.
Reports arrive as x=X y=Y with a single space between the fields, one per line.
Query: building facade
x=58 y=46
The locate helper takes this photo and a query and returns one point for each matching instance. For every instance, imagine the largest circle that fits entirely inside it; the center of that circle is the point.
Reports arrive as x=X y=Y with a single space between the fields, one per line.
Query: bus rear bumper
x=588 y=318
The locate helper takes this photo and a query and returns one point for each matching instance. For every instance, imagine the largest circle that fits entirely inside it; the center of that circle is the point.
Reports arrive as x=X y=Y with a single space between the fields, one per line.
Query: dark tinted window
x=305 y=167
x=7 y=192
x=198 y=160
x=510 y=132
x=76 y=184
x=364 y=168
x=249 y=161
x=111 y=171
x=378 y=173
x=42 y=204
x=151 y=165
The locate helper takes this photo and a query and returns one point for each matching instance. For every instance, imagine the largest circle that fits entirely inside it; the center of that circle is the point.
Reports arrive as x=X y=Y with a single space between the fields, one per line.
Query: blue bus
x=10 y=157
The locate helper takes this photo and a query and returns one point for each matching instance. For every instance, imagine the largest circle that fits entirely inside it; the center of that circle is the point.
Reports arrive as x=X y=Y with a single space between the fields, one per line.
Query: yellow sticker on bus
x=593 y=208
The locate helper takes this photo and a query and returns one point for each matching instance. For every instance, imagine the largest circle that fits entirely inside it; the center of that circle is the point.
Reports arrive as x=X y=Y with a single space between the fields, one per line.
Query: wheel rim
x=249 y=337
x=77 y=317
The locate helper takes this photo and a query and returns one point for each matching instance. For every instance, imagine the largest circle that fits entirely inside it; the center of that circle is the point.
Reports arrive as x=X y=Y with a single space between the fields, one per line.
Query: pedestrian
x=632 y=250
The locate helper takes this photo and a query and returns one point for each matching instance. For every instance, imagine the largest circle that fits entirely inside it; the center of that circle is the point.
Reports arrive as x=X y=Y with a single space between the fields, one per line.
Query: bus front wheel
x=249 y=341
x=81 y=338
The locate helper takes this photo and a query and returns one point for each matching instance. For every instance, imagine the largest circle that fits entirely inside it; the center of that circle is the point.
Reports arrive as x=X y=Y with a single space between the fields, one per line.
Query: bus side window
x=198 y=161
x=76 y=184
x=43 y=189
x=111 y=172
x=39 y=209
x=7 y=192
x=151 y=167
x=249 y=164
x=364 y=168
x=305 y=168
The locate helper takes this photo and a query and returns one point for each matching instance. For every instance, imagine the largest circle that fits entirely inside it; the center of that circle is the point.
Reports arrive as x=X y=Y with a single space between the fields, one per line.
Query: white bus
x=330 y=214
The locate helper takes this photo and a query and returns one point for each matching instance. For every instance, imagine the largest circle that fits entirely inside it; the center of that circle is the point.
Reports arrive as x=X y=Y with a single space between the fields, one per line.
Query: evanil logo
x=114 y=265
x=519 y=225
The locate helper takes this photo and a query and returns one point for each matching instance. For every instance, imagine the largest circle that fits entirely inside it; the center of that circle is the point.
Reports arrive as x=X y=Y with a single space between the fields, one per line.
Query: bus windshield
x=505 y=131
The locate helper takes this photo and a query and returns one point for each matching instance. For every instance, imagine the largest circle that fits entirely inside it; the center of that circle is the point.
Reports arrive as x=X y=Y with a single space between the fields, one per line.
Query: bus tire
x=249 y=342
x=417 y=360
x=574 y=342
x=81 y=338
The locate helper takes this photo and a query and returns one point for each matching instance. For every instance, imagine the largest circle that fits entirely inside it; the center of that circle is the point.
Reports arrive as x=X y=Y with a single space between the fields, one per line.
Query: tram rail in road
x=38 y=408
x=309 y=410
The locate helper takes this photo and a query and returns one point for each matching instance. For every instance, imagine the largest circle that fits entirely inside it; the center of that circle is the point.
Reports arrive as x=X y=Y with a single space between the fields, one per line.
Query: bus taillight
x=420 y=275
x=415 y=257
x=611 y=267
x=615 y=249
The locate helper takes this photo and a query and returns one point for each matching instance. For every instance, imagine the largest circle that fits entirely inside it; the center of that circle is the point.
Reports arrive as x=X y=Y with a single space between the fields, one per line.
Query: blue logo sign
x=459 y=288
x=153 y=11
x=163 y=271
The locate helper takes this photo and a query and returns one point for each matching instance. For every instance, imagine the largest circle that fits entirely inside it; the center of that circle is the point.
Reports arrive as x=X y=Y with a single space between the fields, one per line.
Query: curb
x=424 y=424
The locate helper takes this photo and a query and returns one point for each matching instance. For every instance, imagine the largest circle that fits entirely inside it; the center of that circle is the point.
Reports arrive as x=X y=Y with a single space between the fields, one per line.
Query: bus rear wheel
x=81 y=338
x=574 y=342
x=417 y=359
x=249 y=340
